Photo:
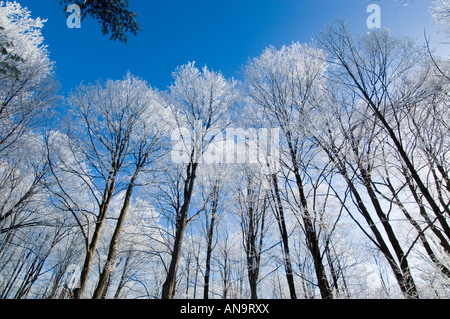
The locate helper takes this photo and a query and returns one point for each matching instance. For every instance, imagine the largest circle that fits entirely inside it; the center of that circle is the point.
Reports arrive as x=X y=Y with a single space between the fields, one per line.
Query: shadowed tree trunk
x=312 y=239
x=279 y=215
x=215 y=199
x=168 y=290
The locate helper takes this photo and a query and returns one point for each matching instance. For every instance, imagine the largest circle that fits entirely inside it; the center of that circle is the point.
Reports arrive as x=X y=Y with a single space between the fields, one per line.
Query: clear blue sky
x=222 y=34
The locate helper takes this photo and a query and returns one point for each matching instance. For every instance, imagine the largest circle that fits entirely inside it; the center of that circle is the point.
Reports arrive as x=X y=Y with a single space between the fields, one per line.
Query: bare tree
x=278 y=211
x=224 y=262
x=378 y=69
x=97 y=154
x=351 y=146
x=441 y=12
x=200 y=101
x=252 y=209
x=27 y=86
x=27 y=91
x=211 y=220
x=145 y=147
x=285 y=83
x=372 y=69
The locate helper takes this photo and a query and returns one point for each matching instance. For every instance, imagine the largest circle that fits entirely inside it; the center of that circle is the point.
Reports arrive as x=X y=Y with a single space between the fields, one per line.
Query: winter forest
x=323 y=173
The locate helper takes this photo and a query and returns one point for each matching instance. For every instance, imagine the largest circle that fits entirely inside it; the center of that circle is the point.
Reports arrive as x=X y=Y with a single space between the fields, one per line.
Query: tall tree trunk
x=312 y=240
x=168 y=290
x=210 y=241
x=92 y=246
x=253 y=247
x=100 y=291
x=284 y=237
x=122 y=280
x=380 y=242
x=404 y=279
x=334 y=273
x=445 y=244
x=408 y=281
x=420 y=231
x=402 y=152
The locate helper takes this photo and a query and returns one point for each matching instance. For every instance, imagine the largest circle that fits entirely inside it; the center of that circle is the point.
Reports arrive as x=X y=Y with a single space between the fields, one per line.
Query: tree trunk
x=169 y=285
x=404 y=156
x=252 y=247
x=420 y=231
x=100 y=291
x=401 y=273
x=284 y=237
x=312 y=240
x=334 y=273
x=92 y=246
x=442 y=240
x=210 y=241
x=123 y=276
x=410 y=288
x=168 y=290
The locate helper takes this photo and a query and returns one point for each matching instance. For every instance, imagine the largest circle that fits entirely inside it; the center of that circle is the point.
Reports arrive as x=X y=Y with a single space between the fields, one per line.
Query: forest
x=323 y=173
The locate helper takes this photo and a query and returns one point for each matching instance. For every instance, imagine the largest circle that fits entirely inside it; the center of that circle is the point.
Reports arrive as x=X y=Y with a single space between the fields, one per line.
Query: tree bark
x=408 y=284
x=210 y=241
x=100 y=291
x=92 y=246
x=312 y=240
x=401 y=151
x=284 y=237
x=123 y=276
x=168 y=290
x=253 y=246
x=420 y=231
x=402 y=273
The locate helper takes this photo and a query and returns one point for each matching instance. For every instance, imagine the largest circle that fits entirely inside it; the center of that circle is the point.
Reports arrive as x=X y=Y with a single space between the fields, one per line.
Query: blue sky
x=222 y=34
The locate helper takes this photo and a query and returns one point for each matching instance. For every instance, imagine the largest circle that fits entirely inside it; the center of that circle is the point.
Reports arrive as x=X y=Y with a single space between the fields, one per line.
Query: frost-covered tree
x=26 y=73
x=146 y=146
x=26 y=95
x=286 y=84
x=201 y=101
x=252 y=209
x=385 y=86
x=441 y=12
x=114 y=134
